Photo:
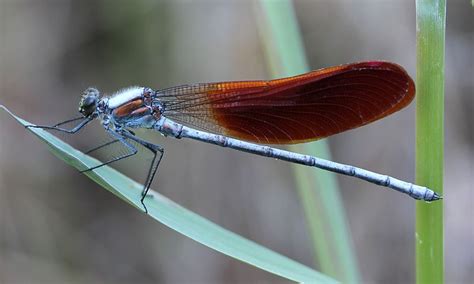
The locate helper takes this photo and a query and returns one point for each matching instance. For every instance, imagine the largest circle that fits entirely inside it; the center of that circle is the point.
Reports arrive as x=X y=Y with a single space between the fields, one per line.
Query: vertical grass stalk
x=318 y=190
x=430 y=26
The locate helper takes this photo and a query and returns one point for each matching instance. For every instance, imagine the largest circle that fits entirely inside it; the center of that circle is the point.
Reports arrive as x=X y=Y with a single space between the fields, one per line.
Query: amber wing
x=295 y=109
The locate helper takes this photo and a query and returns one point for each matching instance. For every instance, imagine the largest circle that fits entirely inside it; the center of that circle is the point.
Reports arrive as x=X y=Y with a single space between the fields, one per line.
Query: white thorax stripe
x=123 y=96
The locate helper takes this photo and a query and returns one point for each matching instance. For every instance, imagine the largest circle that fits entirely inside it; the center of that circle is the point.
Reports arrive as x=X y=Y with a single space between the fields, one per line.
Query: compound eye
x=88 y=103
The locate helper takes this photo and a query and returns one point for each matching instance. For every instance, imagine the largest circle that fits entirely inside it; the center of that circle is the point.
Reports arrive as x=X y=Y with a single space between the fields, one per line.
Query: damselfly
x=243 y=115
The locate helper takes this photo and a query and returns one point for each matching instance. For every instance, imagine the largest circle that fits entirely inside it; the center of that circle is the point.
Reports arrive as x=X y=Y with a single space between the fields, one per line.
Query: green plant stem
x=431 y=24
x=318 y=190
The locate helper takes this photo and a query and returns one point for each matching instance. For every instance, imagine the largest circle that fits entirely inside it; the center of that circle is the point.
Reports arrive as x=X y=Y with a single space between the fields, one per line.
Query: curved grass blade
x=318 y=190
x=179 y=218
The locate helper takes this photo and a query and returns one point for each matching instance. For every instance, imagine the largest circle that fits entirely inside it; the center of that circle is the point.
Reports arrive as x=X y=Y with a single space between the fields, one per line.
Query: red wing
x=295 y=109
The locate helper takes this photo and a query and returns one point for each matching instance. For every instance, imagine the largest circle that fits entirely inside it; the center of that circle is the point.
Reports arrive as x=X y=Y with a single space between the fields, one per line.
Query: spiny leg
x=155 y=163
x=85 y=120
x=101 y=146
x=156 y=150
x=122 y=140
x=106 y=144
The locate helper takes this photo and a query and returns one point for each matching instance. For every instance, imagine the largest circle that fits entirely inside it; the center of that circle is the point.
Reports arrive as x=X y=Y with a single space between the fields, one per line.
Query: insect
x=246 y=114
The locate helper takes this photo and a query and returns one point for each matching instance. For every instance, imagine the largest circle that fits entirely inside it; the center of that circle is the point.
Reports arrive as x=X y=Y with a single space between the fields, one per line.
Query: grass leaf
x=430 y=39
x=318 y=190
x=179 y=218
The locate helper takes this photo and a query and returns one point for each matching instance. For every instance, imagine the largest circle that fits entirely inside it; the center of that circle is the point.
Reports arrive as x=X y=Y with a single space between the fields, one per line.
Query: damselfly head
x=89 y=100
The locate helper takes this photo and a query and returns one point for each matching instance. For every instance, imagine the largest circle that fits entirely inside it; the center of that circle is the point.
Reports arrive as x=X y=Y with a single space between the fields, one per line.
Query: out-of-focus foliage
x=51 y=50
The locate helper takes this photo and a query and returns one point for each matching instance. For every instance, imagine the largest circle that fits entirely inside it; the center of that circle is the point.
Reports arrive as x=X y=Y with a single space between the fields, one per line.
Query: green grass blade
x=178 y=218
x=431 y=26
x=318 y=190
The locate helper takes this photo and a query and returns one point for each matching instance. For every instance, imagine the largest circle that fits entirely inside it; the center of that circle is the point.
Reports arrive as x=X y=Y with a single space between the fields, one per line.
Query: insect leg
x=102 y=146
x=85 y=120
x=105 y=144
x=122 y=140
x=158 y=152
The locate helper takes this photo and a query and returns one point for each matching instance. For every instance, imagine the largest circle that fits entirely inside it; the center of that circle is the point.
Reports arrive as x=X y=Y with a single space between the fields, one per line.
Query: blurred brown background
x=57 y=226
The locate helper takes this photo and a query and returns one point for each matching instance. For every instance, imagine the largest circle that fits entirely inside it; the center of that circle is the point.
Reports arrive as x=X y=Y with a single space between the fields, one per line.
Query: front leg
x=84 y=122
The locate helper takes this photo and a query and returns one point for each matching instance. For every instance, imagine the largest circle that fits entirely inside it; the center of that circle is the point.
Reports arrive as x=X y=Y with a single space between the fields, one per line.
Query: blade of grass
x=430 y=27
x=318 y=190
x=178 y=218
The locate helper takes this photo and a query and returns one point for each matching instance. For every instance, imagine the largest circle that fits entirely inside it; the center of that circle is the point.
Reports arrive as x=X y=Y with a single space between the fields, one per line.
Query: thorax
x=133 y=107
